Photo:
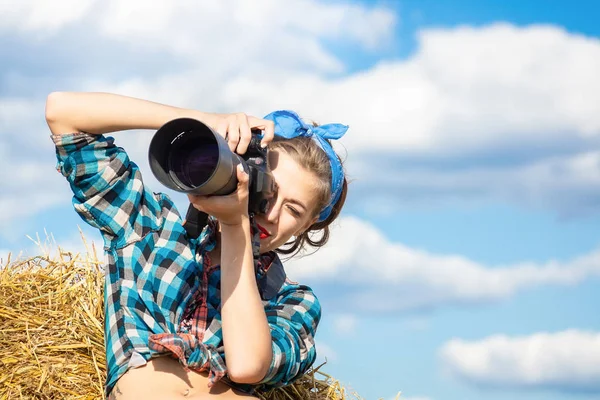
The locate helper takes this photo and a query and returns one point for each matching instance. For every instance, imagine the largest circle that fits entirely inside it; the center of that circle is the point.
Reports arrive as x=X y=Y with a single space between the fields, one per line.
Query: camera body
x=261 y=186
x=189 y=157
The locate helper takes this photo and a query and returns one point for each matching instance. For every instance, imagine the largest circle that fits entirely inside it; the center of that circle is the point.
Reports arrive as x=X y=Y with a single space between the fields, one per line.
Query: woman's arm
x=246 y=334
x=98 y=113
x=293 y=318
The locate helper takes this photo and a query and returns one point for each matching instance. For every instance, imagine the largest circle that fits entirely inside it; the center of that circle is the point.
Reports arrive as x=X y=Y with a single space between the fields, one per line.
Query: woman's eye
x=295 y=212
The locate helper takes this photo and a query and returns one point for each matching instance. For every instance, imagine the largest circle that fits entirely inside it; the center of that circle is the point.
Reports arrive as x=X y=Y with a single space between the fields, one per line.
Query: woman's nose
x=273 y=212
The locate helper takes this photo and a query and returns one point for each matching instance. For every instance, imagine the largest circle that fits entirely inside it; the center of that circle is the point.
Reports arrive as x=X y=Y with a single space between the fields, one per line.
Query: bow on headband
x=289 y=125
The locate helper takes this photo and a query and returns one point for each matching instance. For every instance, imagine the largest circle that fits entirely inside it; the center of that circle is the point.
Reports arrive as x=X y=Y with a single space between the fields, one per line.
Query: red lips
x=263 y=232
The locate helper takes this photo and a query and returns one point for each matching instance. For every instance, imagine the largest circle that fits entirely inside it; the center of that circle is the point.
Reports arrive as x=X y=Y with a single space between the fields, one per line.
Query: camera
x=189 y=157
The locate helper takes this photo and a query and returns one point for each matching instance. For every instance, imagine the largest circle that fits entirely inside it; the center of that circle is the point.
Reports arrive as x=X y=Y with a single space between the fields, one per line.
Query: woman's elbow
x=54 y=113
x=248 y=373
x=52 y=106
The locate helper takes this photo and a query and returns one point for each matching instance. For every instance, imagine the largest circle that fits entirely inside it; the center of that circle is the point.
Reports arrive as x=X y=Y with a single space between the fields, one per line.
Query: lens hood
x=171 y=145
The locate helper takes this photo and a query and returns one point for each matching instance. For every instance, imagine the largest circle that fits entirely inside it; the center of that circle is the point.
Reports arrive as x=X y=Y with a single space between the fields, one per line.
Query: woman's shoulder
x=275 y=282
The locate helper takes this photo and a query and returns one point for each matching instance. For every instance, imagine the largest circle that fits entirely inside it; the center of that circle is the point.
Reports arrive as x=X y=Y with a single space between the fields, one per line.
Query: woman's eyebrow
x=298 y=202
x=291 y=200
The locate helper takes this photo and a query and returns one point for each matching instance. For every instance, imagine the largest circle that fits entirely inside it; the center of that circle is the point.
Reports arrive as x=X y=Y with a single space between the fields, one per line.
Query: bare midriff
x=164 y=378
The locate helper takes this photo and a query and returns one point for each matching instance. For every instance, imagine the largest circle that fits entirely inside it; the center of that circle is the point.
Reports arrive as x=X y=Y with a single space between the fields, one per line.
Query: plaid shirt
x=162 y=295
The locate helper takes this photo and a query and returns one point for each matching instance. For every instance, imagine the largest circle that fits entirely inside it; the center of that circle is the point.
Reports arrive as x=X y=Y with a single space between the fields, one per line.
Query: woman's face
x=293 y=207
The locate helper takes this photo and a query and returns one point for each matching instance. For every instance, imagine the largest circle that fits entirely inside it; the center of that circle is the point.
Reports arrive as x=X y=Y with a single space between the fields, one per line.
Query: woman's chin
x=265 y=246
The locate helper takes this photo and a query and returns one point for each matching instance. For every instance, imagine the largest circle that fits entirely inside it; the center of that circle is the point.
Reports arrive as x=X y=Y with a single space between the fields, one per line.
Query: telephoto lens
x=188 y=156
x=193 y=160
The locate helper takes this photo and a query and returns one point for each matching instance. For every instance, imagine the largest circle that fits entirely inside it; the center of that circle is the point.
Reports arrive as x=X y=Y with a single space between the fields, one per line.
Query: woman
x=219 y=305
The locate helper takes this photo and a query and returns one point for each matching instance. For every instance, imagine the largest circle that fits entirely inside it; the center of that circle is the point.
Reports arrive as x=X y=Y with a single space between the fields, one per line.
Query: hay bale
x=52 y=337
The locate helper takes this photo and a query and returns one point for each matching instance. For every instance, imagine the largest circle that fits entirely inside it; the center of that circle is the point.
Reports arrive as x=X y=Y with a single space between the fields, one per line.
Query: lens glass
x=193 y=159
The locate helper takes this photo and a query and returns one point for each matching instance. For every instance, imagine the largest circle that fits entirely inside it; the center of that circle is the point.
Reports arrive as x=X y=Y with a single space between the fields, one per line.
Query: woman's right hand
x=236 y=129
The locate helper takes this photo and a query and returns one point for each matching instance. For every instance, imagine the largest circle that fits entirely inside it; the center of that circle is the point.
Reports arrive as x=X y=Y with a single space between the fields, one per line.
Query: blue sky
x=466 y=263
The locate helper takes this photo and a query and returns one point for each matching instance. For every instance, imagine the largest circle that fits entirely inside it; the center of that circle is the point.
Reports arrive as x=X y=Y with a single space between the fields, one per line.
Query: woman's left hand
x=231 y=209
x=236 y=129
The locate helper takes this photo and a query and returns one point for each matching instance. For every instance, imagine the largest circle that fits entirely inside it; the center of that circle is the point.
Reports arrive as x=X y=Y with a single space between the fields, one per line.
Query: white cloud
x=566 y=183
x=325 y=353
x=568 y=360
x=364 y=265
x=29 y=185
x=13 y=205
x=225 y=36
x=464 y=89
x=404 y=107
x=443 y=118
x=245 y=28
x=41 y=15
x=499 y=112
x=13 y=111
x=211 y=42
x=345 y=324
x=467 y=95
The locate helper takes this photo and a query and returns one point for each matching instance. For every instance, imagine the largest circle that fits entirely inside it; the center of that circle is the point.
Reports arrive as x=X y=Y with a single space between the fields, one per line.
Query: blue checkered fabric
x=161 y=294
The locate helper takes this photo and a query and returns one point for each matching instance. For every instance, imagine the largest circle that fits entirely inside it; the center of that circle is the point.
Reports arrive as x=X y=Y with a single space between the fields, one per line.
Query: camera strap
x=273 y=278
x=195 y=221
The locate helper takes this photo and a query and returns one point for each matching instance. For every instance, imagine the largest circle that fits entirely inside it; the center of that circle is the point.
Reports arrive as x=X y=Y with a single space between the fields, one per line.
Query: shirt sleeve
x=293 y=320
x=108 y=192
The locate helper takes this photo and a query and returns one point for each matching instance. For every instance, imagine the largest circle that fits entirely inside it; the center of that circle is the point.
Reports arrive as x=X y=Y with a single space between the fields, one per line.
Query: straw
x=52 y=338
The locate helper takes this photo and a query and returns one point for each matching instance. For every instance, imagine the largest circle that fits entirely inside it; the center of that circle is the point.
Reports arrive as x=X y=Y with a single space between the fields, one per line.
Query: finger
x=197 y=202
x=233 y=133
x=269 y=133
x=242 y=175
x=267 y=126
x=243 y=179
x=245 y=133
x=210 y=204
x=222 y=128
